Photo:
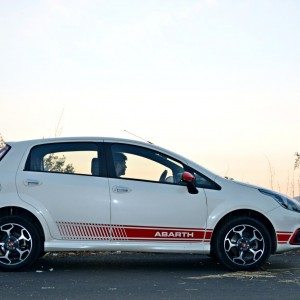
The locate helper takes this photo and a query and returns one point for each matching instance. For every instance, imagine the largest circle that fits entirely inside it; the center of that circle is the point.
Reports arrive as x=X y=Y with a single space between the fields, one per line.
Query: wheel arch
x=22 y=212
x=246 y=213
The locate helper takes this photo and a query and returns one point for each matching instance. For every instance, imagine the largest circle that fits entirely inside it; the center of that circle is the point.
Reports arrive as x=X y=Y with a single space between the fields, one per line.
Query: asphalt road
x=150 y=276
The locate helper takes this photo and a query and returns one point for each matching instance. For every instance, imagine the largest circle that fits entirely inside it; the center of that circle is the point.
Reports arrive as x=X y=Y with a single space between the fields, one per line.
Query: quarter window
x=3 y=151
x=204 y=182
x=68 y=158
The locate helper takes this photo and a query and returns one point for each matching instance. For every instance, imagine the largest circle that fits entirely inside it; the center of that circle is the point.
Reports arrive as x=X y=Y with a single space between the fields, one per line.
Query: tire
x=42 y=253
x=243 y=244
x=20 y=243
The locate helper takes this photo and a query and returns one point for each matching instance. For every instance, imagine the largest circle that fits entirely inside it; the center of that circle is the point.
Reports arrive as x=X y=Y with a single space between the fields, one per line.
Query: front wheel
x=243 y=244
x=20 y=243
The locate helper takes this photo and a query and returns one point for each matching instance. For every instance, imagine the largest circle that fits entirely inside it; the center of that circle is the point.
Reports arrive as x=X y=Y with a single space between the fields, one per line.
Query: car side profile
x=109 y=194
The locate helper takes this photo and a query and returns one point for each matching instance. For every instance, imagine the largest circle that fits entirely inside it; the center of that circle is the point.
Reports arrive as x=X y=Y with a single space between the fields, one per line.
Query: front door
x=149 y=201
x=66 y=182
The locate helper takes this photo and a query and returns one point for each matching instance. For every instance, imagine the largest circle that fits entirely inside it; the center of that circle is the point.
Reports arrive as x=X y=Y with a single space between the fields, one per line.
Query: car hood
x=257 y=187
x=220 y=179
x=248 y=185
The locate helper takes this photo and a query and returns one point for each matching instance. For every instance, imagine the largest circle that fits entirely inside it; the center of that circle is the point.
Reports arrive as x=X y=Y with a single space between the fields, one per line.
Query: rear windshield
x=3 y=150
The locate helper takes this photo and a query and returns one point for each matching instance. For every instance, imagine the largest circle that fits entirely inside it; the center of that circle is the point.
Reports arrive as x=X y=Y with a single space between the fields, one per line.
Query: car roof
x=72 y=139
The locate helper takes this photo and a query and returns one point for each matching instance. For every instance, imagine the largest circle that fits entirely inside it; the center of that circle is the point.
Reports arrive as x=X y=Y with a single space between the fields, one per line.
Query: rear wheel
x=243 y=244
x=20 y=243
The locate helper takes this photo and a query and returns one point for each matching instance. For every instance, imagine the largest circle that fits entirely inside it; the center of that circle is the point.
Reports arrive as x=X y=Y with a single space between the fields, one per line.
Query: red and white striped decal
x=92 y=231
x=283 y=237
x=83 y=231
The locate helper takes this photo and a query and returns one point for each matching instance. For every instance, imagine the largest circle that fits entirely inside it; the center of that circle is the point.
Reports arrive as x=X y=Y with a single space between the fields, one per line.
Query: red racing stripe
x=161 y=233
x=90 y=231
x=283 y=237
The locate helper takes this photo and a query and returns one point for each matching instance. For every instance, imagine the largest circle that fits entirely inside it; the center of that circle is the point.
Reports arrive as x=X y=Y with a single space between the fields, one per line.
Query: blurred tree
x=54 y=163
x=2 y=142
x=297 y=160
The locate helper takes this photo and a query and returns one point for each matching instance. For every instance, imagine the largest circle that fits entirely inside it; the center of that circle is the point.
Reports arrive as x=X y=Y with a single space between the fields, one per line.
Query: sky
x=216 y=81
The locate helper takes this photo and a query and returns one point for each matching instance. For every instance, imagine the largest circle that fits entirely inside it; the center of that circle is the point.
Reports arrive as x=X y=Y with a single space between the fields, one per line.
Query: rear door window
x=67 y=158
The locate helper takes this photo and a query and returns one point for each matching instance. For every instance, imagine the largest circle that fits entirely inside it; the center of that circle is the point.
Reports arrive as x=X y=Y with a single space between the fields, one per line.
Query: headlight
x=285 y=202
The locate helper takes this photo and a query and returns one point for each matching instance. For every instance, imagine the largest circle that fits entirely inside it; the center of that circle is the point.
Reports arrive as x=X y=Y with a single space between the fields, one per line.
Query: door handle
x=31 y=182
x=121 y=189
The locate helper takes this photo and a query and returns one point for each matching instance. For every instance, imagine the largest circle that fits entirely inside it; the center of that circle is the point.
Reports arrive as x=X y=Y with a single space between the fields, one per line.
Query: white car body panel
x=76 y=196
x=234 y=197
x=152 y=204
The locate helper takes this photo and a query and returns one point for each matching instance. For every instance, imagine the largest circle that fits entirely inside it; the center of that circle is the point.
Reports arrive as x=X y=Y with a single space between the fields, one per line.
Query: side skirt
x=162 y=247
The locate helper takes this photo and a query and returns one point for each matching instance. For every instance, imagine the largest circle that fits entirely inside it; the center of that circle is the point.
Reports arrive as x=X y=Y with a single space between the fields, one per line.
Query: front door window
x=131 y=162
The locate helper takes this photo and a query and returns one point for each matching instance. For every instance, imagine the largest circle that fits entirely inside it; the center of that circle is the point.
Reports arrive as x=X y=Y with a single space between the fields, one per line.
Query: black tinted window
x=204 y=182
x=5 y=148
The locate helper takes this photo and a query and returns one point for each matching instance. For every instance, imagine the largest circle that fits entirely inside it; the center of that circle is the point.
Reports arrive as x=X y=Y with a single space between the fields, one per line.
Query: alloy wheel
x=244 y=245
x=15 y=244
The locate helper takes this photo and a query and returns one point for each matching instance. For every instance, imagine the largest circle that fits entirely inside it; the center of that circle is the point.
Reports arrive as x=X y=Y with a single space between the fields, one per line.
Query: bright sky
x=216 y=81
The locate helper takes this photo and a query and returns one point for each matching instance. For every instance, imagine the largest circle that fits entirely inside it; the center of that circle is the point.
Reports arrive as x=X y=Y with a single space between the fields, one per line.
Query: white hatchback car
x=72 y=194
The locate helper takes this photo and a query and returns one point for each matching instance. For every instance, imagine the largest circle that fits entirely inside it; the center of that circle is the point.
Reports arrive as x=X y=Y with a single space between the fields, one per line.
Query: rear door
x=67 y=183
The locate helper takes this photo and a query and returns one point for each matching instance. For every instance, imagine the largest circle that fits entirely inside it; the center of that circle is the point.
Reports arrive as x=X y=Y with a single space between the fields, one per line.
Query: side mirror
x=189 y=179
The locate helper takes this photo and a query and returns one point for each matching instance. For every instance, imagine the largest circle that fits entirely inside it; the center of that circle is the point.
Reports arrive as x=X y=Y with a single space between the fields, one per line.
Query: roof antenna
x=138 y=137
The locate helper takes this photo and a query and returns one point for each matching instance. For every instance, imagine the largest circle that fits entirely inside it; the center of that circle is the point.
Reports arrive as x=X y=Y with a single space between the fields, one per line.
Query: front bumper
x=287 y=227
